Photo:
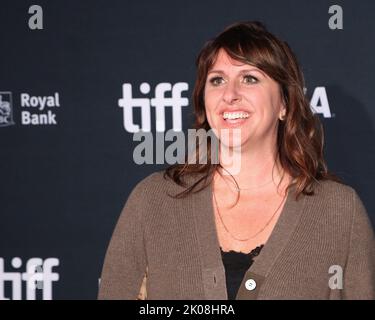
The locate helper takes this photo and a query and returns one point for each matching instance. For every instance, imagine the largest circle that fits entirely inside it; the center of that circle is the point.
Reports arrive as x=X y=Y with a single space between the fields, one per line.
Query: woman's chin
x=231 y=138
x=233 y=143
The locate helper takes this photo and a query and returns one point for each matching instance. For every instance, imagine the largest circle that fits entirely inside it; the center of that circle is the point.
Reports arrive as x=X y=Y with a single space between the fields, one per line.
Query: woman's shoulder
x=333 y=186
x=146 y=194
x=331 y=189
x=156 y=185
x=148 y=185
x=338 y=197
x=155 y=178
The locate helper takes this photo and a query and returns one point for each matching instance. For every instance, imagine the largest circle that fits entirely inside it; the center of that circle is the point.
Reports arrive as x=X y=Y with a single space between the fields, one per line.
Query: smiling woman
x=237 y=96
x=275 y=227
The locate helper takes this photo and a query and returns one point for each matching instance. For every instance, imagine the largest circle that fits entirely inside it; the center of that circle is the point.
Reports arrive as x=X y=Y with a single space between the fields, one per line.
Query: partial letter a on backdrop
x=36 y=20
x=336 y=20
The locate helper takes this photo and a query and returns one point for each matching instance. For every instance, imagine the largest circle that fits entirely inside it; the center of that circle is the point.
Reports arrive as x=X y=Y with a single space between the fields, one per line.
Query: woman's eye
x=250 y=79
x=216 y=81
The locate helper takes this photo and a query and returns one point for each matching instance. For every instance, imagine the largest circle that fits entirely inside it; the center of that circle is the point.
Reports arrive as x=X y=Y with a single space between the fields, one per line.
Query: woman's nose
x=231 y=94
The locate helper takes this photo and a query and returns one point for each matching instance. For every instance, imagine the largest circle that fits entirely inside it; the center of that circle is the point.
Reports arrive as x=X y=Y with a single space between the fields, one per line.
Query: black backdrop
x=63 y=185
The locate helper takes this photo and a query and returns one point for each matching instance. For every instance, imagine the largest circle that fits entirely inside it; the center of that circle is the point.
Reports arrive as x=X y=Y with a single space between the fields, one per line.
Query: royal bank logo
x=6 y=109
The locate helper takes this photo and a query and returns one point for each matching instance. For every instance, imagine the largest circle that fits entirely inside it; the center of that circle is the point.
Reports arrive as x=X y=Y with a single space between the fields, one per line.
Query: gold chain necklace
x=253 y=236
x=238 y=189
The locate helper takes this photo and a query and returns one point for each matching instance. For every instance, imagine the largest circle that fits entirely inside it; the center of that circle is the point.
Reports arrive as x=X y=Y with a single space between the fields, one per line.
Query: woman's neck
x=251 y=169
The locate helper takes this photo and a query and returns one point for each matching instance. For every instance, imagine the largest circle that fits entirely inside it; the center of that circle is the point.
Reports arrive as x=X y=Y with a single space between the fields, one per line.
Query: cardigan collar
x=213 y=271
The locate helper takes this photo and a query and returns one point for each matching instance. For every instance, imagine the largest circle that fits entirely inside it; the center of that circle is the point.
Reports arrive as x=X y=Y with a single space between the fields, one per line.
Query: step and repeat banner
x=79 y=78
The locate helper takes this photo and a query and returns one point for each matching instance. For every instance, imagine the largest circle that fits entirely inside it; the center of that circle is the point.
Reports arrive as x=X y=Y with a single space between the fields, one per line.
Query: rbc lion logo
x=6 y=114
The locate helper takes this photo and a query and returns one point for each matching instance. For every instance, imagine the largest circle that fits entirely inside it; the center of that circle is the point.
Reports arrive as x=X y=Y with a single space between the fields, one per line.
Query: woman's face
x=239 y=95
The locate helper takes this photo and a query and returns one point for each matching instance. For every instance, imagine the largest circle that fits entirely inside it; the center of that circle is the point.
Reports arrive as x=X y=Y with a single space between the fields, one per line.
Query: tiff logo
x=38 y=275
x=159 y=102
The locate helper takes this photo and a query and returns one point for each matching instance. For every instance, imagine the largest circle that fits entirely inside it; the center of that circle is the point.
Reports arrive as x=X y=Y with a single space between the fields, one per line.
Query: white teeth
x=235 y=115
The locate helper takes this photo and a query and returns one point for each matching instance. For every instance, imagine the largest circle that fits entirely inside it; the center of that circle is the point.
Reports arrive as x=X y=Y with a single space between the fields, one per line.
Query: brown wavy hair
x=300 y=138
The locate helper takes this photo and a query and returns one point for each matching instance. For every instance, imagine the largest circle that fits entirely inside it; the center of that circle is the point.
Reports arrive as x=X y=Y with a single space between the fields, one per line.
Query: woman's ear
x=282 y=114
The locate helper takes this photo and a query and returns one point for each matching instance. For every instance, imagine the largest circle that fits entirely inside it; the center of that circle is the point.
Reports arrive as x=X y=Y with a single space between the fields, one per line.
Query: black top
x=236 y=264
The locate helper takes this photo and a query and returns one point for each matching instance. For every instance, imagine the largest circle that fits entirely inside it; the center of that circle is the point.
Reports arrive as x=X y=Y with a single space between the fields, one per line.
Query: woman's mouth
x=236 y=118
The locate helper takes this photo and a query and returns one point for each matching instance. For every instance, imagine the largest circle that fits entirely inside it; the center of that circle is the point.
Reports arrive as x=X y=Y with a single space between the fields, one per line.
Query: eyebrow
x=244 y=71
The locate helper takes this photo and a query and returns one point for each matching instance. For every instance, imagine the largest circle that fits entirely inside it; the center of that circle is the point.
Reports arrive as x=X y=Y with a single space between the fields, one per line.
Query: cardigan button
x=250 y=284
